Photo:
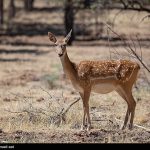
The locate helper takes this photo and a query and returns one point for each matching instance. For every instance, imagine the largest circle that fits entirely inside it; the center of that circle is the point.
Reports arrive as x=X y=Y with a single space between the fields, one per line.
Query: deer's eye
x=62 y=46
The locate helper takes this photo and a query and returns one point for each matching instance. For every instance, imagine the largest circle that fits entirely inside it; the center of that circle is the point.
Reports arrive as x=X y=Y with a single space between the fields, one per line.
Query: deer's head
x=60 y=45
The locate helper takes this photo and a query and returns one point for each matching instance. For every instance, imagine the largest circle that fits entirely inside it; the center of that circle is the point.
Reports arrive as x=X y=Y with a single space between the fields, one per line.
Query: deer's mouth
x=60 y=55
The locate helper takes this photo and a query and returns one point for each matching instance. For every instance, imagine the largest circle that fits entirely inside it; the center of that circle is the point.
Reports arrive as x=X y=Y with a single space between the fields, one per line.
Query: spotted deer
x=99 y=77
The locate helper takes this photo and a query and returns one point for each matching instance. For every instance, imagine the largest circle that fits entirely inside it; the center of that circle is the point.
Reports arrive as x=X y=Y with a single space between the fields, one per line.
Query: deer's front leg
x=84 y=112
x=84 y=119
x=86 y=115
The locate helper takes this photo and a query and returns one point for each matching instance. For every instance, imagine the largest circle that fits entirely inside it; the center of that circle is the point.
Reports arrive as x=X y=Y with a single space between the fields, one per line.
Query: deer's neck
x=68 y=67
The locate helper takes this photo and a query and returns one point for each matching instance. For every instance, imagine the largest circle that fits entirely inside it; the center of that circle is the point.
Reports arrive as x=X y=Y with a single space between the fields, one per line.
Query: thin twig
x=109 y=42
x=122 y=55
x=67 y=109
x=147 y=129
x=114 y=18
x=134 y=47
x=19 y=95
x=15 y=112
x=147 y=16
x=133 y=43
x=140 y=47
x=46 y=92
x=148 y=82
x=117 y=52
x=26 y=111
x=99 y=120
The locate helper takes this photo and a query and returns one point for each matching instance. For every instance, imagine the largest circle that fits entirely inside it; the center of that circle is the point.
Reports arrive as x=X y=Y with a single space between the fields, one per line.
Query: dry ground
x=33 y=90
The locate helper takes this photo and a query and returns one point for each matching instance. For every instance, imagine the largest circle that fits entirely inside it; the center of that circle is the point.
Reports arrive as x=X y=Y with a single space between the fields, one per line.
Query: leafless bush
x=51 y=111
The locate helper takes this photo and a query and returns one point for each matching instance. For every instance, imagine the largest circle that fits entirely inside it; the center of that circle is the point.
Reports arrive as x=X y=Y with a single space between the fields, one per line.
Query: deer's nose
x=60 y=55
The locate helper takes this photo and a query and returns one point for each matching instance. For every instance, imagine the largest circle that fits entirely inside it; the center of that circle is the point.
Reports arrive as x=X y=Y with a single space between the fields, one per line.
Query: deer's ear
x=52 y=37
x=66 y=39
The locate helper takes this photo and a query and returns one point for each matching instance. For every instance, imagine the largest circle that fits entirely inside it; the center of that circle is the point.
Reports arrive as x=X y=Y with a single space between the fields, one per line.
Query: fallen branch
x=15 y=112
x=148 y=16
x=67 y=109
x=135 y=125
x=61 y=116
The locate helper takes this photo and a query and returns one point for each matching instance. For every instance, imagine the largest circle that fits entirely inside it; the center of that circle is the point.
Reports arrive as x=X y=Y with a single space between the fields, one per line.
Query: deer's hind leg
x=128 y=110
x=126 y=94
x=133 y=105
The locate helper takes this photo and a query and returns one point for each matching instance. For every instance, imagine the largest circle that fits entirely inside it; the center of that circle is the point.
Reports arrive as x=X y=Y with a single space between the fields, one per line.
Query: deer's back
x=120 y=69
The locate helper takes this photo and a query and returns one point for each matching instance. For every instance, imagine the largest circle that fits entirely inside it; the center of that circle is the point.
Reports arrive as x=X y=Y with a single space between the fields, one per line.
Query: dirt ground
x=33 y=90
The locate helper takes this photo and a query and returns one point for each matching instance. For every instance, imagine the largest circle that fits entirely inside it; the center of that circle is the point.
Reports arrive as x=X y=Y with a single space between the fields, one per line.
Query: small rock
x=6 y=99
x=19 y=132
x=40 y=99
x=1 y=130
x=17 y=137
x=72 y=92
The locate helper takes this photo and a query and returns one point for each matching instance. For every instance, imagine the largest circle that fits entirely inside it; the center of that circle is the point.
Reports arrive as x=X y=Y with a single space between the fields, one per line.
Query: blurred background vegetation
x=90 y=13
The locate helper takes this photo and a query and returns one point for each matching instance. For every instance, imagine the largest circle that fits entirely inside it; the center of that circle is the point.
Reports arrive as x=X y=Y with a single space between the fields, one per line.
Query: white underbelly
x=103 y=88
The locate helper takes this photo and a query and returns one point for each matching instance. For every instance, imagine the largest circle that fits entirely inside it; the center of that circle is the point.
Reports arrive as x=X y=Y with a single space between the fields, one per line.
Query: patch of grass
x=29 y=114
x=74 y=116
x=50 y=80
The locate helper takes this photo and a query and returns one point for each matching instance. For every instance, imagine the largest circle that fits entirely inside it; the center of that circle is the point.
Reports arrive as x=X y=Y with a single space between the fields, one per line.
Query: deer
x=102 y=76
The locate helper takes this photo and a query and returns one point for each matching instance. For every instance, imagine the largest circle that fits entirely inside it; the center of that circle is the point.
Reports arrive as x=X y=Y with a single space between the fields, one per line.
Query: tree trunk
x=1 y=12
x=69 y=19
x=12 y=10
x=28 y=5
x=87 y=4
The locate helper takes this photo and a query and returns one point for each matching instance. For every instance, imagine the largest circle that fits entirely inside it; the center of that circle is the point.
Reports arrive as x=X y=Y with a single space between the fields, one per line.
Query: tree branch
x=129 y=49
x=147 y=16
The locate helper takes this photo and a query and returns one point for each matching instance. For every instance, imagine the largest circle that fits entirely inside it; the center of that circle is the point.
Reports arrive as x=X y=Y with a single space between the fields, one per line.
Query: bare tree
x=1 y=12
x=12 y=10
x=69 y=19
x=28 y=5
x=87 y=3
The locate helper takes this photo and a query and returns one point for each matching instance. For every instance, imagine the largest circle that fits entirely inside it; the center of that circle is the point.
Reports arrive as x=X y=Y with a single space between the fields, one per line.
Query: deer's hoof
x=123 y=127
x=130 y=126
x=82 y=128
